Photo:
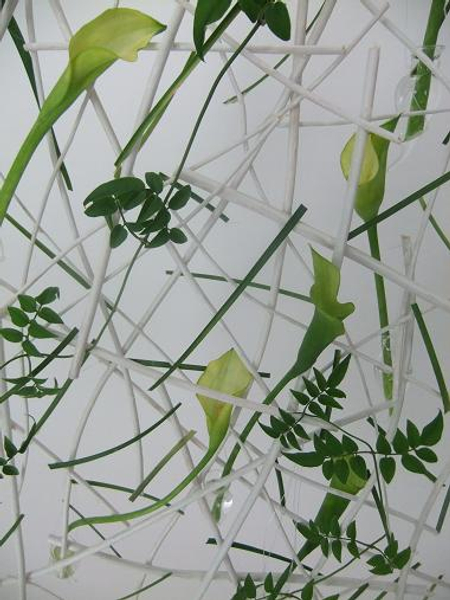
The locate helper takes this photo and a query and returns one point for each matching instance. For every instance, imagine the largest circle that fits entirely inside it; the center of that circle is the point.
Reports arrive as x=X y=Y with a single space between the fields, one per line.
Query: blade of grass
x=147 y=587
x=161 y=464
x=120 y=488
x=273 y=246
x=46 y=250
x=19 y=42
x=259 y=286
x=11 y=530
x=92 y=457
x=254 y=550
x=41 y=366
x=443 y=513
x=184 y=366
x=432 y=356
x=386 y=214
x=439 y=231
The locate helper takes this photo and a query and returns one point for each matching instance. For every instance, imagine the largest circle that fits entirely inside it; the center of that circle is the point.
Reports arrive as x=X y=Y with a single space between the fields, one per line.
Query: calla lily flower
x=372 y=179
x=229 y=375
x=329 y=314
x=117 y=33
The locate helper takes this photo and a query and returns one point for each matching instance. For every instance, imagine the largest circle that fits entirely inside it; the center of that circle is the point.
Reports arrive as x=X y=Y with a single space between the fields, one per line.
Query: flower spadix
x=372 y=179
x=229 y=375
x=329 y=314
x=117 y=33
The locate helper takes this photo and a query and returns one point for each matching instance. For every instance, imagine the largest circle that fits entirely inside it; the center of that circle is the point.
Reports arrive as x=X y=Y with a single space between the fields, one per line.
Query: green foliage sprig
x=150 y=224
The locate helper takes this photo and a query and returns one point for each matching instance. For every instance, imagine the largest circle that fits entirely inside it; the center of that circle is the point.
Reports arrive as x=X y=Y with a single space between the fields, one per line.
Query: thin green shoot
x=114 y=449
x=147 y=587
x=11 y=530
x=432 y=356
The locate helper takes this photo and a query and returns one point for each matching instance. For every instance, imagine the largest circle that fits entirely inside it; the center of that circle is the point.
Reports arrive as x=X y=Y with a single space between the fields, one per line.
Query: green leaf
x=300 y=397
x=101 y=207
x=27 y=303
x=114 y=189
x=308 y=590
x=413 y=464
x=300 y=432
x=329 y=314
x=252 y=8
x=49 y=315
x=18 y=316
x=311 y=388
x=133 y=199
x=383 y=446
x=155 y=182
x=278 y=20
x=400 y=442
x=329 y=401
x=161 y=238
x=180 y=198
x=177 y=236
x=229 y=375
x=30 y=349
x=412 y=434
x=306 y=459
x=10 y=470
x=427 y=455
x=336 y=549
x=353 y=549
x=159 y=221
x=337 y=375
x=432 y=433
x=387 y=468
x=350 y=532
x=321 y=381
x=48 y=295
x=249 y=587
x=11 y=335
x=149 y=208
x=117 y=33
x=268 y=583
x=342 y=470
x=117 y=236
x=349 y=445
x=325 y=547
x=10 y=448
x=207 y=12
x=37 y=331
x=358 y=466
x=270 y=432
x=402 y=558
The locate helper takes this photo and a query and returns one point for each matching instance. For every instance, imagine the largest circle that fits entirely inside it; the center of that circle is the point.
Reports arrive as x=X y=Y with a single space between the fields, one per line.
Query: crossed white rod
x=318 y=236
x=5 y=15
x=295 y=49
x=142 y=524
x=383 y=117
x=303 y=92
x=375 y=584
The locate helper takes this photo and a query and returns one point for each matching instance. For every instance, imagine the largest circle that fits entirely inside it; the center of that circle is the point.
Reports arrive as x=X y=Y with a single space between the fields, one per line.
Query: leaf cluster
x=273 y=13
x=412 y=446
x=144 y=214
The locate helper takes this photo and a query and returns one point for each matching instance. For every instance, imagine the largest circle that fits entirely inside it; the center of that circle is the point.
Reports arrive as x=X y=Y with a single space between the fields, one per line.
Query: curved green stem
x=246 y=432
x=142 y=512
x=383 y=315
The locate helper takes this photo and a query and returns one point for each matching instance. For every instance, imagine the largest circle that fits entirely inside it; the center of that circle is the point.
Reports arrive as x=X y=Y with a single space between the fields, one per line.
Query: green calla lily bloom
x=372 y=180
x=229 y=375
x=329 y=314
x=117 y=33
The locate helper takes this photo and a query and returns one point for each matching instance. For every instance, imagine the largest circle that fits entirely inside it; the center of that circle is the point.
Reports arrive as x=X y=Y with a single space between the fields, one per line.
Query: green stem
x=438 y=229
x=21 y=161
x=383 y=316
x=135 y=514
x=154 y=116
x=423 y=74
x=244 y=435
x=206 y=104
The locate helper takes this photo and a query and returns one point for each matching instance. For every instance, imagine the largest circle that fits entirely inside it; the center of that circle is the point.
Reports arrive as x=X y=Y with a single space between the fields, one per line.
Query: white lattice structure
x=255 y=161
